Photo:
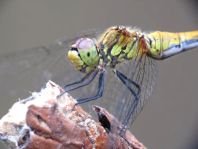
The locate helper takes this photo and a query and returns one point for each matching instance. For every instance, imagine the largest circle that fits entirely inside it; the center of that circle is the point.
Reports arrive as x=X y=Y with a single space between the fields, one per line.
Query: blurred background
x=170 y=119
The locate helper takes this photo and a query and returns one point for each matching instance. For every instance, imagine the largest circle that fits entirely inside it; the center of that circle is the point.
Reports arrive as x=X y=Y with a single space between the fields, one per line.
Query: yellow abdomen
x=160 y=42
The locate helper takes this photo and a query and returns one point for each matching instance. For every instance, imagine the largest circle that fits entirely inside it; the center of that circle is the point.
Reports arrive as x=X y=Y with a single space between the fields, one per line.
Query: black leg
x=130 y=85
x=82 y=82
x=126 y=81
x=99 y=92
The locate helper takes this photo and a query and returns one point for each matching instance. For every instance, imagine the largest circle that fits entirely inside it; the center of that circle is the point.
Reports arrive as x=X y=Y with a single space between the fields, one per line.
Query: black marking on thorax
x=114 y=60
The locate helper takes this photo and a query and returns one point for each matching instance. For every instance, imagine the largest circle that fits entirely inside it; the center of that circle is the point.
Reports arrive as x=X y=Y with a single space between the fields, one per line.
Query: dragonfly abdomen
x=166 y=44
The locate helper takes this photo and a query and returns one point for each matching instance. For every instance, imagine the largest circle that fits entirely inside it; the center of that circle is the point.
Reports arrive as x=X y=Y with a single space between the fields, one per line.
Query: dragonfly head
x=84 y=55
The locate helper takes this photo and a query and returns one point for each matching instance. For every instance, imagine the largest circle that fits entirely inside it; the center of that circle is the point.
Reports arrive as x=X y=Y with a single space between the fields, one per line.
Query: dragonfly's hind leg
x=131 y=85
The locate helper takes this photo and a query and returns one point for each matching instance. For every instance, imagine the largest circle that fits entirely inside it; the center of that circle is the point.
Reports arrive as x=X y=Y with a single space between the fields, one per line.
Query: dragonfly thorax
x=119 y=44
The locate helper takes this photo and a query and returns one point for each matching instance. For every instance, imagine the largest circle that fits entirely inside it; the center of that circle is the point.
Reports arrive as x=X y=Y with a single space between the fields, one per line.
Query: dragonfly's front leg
x=99 y=92
x=82 y=82
x=86 y=80
x=130 y=84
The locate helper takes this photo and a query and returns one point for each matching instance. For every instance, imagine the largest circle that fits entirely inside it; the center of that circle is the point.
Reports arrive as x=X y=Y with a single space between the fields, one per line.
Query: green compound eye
x=84 y=53
x=88 y=51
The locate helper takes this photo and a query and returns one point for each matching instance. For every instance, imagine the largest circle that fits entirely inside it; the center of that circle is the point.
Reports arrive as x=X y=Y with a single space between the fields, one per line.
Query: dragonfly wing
x=143 y=71
x=28 y=70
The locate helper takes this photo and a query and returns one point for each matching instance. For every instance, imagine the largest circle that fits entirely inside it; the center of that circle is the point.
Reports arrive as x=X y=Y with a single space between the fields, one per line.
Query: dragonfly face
x=84 y=55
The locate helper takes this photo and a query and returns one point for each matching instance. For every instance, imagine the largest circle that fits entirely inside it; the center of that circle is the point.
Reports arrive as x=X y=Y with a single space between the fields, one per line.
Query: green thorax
x=118 y=44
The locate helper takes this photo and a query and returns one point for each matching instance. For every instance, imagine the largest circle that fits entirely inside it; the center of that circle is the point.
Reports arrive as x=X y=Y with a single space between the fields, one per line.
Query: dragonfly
x=118 y=64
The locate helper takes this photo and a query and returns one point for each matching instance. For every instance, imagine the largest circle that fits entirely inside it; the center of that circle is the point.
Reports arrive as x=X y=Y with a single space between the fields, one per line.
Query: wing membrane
x=29 y=69
x=142 y=70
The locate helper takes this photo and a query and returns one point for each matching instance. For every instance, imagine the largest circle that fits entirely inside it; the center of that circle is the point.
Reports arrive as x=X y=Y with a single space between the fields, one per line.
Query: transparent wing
x=143 y=70
x=29 y=69
x=117 y=98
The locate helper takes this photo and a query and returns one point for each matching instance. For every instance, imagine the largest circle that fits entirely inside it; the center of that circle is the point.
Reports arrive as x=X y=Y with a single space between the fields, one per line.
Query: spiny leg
x=99 y=92
x=127 y=82
x=80 y=83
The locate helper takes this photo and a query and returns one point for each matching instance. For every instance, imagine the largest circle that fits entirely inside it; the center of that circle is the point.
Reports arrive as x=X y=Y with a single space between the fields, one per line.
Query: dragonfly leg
x=99 y=92
x=82 y=82
x=130 y=84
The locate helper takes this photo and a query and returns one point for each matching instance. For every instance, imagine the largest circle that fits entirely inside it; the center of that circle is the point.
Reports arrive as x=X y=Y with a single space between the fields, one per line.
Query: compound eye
x=85 y=43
